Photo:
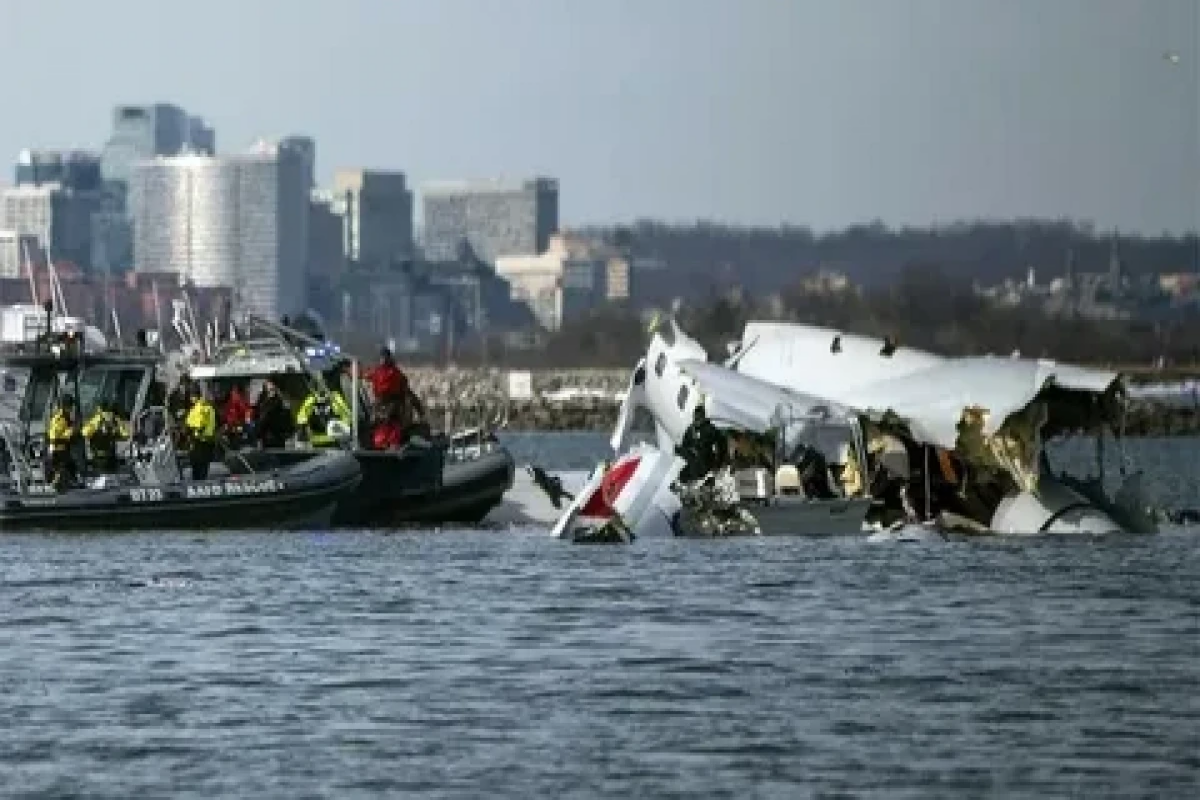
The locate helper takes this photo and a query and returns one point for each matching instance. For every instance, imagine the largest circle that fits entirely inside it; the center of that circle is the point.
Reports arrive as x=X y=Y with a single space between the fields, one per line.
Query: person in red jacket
x=388 y=382
x=387 y=433
x=235 y=413
x=390 y=386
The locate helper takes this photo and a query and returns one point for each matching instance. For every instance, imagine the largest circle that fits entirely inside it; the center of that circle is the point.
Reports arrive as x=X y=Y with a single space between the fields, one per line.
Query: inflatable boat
x=301 y=495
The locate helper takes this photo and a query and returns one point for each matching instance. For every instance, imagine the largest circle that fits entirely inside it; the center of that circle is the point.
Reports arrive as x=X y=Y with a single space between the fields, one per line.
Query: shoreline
x=461 y=398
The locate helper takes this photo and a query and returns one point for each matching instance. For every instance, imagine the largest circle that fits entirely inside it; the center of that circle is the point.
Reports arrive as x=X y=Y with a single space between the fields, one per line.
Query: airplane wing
x=932 y=400
x=753 y=404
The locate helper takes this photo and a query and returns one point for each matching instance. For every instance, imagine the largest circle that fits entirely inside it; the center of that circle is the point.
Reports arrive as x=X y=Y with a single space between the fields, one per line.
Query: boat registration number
x=235 y=489
x=146 y=495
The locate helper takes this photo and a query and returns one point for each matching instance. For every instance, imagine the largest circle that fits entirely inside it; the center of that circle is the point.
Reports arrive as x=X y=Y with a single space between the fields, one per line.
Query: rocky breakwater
x=590 y=399
x=536 y=400
x=1150 y=418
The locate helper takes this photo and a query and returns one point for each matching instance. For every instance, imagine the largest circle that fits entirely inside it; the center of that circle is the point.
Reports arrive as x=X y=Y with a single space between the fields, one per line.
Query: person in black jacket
x=272 y=420
x=704 y=447
x=179 y=401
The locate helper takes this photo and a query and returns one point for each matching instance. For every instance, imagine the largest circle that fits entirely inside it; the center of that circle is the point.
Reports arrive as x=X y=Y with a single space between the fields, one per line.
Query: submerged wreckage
x=837 y=433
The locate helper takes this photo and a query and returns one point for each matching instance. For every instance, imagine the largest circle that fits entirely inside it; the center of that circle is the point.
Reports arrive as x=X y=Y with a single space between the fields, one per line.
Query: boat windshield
x=118 y=386
x=39 y=392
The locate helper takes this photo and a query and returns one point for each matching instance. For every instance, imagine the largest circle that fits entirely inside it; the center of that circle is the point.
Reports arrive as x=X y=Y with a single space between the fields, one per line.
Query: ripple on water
x=467 y=665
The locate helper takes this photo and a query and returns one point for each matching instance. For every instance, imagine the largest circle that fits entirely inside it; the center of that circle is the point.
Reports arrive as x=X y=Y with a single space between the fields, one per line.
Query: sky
x=822 y=113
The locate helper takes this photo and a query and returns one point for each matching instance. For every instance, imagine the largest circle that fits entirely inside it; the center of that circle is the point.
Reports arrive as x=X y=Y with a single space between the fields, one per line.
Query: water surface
x=503 y=664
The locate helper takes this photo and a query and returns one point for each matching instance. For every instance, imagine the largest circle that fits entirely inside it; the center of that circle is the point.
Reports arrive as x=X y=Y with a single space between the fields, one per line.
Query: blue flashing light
x=326 y=351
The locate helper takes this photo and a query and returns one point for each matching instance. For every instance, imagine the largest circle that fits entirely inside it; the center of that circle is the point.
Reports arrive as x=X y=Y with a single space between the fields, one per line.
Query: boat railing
x=251 y=349
x=152 y=448
x=476 y=436
x=21 y=471
x=10 y=405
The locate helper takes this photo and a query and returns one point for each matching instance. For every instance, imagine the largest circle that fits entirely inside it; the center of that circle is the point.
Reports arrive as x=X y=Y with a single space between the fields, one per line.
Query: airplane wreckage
x=837 y=433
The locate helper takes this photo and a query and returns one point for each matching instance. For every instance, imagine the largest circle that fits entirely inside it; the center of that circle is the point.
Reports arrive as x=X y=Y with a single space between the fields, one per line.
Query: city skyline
x=812 y=113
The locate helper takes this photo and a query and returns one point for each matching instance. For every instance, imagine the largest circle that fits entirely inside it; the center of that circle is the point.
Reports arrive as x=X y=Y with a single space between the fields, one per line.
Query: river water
x=503 y=664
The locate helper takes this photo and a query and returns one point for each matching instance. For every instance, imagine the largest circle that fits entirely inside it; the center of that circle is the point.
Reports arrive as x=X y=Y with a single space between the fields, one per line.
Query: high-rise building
x=55 y=194
x=377 y=209
x=139 y=132
x=496 y=218
x=326 y=237
x=76 y=170
x=306 y=148
x=147 y=131
x=201 y=137
x=236 y=221
x=112 y=236
x=59 y=217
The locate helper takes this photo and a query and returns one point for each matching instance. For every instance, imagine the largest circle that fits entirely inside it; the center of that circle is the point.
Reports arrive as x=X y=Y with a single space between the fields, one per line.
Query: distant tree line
x=706 y=257
x=925 y=308
x=916 y=285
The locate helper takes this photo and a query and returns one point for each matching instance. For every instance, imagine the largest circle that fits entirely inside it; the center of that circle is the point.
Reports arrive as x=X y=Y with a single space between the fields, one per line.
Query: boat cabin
x=811 y=454
x=295 y=371
x=124 y=378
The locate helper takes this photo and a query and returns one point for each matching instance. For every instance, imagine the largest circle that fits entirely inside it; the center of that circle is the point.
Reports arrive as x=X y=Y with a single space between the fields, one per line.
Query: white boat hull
x=786 y=516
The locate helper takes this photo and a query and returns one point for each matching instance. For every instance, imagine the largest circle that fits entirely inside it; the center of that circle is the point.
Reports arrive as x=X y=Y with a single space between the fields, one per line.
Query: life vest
x=201 y=421
x=60 y=432
x=105 y=434
x=321 y=414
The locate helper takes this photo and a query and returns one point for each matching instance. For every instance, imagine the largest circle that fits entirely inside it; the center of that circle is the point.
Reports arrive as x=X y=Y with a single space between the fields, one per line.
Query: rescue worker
x=388 y=381
x=201 y=427
x=704 y=447
x=102 y=432
x=321 y=407
x=272 y=421
x=389 y=384
x=59 y=436
x=235 y=413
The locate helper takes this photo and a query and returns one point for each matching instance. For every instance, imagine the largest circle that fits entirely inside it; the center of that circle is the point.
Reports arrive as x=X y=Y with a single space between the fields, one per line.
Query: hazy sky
x=817 y=112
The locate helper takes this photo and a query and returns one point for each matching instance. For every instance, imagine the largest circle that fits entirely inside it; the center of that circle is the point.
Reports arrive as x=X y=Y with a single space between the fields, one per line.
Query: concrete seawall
x=458 y=397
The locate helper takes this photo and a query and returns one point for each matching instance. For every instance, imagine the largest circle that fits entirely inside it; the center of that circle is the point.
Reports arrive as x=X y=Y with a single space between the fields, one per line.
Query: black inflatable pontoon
x=301 y=495
x=413 y=486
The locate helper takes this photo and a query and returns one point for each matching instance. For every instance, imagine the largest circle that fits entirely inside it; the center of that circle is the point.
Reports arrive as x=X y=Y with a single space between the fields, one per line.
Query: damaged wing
x=932 y=400
x=740 y=400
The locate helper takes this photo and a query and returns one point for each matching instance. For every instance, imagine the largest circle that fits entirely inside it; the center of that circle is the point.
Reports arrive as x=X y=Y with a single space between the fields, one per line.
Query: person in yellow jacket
x=60 y=435
x=321 y=407
x=200 y=425
x=103 y=431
